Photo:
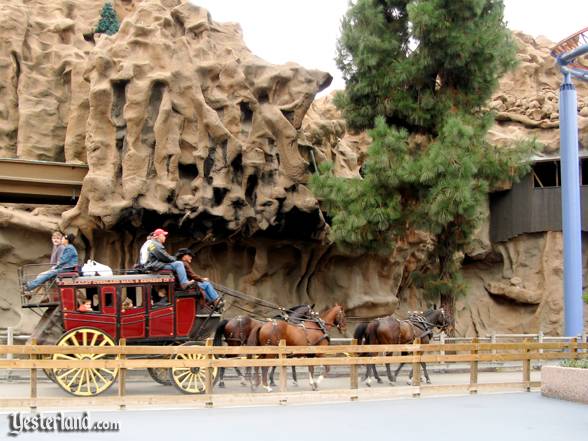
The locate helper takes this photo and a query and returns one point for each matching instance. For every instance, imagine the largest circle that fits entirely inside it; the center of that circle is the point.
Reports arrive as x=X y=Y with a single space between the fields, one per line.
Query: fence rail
x=29 y=357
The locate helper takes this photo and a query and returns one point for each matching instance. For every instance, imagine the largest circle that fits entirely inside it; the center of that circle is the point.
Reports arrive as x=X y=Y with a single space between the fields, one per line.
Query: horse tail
x=220 y=331
x=360 y=333
x=372 y=337
x=253 y=339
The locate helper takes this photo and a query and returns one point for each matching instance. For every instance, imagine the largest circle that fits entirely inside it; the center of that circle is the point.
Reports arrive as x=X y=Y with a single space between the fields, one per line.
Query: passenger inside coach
x=163 y=298
x=127 y=304
x=86 y=306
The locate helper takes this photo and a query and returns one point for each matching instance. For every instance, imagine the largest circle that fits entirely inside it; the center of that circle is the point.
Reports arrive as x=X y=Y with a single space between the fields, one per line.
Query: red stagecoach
x=100 y=310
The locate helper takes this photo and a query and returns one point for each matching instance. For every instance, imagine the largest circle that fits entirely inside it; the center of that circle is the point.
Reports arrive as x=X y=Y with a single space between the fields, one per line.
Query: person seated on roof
x=67 y=262
x=185 y=256
x=144 y=251
x=159 y=259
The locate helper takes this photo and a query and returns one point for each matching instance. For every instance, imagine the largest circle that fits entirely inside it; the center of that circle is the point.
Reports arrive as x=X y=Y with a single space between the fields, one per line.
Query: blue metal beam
x=571 y=213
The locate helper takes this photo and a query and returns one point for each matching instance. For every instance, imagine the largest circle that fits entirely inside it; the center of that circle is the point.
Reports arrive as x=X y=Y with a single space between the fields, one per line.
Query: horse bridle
x=339 y=320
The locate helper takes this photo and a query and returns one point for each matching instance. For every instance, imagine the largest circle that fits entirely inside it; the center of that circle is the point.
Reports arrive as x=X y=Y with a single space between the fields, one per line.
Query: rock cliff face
x=183 y=127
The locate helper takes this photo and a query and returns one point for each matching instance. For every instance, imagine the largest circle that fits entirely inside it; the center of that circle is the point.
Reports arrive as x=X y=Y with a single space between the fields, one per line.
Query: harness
x=420 y=322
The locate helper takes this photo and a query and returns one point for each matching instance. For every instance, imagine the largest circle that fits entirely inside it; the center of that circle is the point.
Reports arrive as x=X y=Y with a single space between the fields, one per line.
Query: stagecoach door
x=132 y=311
x=161 y=312
x=89 y=306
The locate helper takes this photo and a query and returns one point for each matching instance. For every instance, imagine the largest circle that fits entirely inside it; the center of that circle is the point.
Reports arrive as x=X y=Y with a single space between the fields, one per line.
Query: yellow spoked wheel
x=47 y=371
x=84 y=382
x=190 y=380
x=160 y=375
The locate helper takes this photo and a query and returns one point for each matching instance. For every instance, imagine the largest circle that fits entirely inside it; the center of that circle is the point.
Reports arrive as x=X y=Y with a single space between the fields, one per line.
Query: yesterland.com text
x=21 y=423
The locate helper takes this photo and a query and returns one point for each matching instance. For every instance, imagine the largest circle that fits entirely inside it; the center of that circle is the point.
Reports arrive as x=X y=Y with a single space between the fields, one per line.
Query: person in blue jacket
x=67 y=262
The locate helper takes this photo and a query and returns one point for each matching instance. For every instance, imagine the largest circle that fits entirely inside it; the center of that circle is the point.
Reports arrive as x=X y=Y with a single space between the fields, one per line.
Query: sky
x=306 y=31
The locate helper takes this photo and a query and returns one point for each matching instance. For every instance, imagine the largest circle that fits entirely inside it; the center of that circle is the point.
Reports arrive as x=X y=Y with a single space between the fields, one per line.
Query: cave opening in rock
x=219 y=195
x=295 y=225
x=250 y=193
x=209 y=161
x=119 y=92
x=188 y=171
x=89 y=37
x=237 y=166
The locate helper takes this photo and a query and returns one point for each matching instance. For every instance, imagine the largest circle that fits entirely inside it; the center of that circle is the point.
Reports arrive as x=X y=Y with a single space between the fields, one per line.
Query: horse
x=311 y=333
x=390 y=330
x=237 y=330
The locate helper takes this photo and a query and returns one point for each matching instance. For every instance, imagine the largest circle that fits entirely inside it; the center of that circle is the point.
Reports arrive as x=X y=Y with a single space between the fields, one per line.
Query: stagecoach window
x=96 y=302
x=108 y=299
x=134 y=293
x=89 y=293
x=160 y=295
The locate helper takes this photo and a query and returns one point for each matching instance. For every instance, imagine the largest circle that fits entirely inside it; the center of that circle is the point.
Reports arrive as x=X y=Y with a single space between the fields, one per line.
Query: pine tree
x=109 y=22
x=418 y=73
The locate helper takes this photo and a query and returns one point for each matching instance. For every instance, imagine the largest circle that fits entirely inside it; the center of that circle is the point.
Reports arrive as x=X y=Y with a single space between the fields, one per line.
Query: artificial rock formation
x=183 y=127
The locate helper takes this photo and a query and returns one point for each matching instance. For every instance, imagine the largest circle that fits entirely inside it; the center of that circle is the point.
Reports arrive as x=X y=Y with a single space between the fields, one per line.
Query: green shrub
x=575 y=363
x=109 y=22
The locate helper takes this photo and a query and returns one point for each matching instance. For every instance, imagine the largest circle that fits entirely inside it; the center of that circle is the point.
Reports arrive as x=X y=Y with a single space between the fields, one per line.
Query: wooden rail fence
x=126 y=357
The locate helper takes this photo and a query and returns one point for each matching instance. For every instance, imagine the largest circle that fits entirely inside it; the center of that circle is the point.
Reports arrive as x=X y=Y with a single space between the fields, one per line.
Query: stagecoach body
x=159 y=314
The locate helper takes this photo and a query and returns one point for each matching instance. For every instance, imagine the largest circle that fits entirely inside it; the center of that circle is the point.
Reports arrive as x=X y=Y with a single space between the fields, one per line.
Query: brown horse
x=390 y=330
x=308 y=333
x=237 y=330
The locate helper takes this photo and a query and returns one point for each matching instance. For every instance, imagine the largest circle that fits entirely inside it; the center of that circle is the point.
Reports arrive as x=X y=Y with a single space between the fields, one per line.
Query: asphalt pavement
x=514 y=416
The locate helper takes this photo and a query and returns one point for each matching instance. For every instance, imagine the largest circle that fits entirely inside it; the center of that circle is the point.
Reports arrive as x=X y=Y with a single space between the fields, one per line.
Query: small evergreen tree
x=109 y=22
x=418 y=73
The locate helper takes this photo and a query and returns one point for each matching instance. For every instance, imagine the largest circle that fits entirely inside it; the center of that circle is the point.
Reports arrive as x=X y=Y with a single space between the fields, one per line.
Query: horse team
x=302 y=326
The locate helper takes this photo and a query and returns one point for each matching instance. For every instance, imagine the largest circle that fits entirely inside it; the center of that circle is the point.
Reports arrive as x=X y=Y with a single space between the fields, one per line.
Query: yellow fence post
x=575 y=347
x=283 y=369
x=122 y=377
x=416 y=368
x=354 y=380
x=526 y=366
x=209 y=376
x=33 y=356
x=474 y=368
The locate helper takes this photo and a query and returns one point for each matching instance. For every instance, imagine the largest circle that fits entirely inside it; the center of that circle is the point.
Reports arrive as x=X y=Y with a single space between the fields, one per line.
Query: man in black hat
x=185 y=255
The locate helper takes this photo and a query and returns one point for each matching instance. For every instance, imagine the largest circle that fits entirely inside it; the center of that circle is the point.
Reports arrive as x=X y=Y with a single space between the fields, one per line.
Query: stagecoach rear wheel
x=84 y=382
x=160 y=375
x=190 y=380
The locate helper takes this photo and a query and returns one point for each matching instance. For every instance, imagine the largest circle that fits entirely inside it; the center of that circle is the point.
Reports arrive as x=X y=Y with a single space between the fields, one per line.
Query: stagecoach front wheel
x=90 y=381
x=190 y=380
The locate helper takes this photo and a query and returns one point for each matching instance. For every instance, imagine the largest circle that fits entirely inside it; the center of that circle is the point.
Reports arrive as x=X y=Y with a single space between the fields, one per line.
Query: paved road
x=139 y=383
x=520 y=416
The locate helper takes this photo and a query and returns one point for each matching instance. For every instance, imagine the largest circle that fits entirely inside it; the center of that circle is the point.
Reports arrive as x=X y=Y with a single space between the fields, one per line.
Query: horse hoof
x=272 y=384
x=428 y=381
x=221 y=385
x=409 y=382
x=379 y=380
x=267 y=388
x=295 y=383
